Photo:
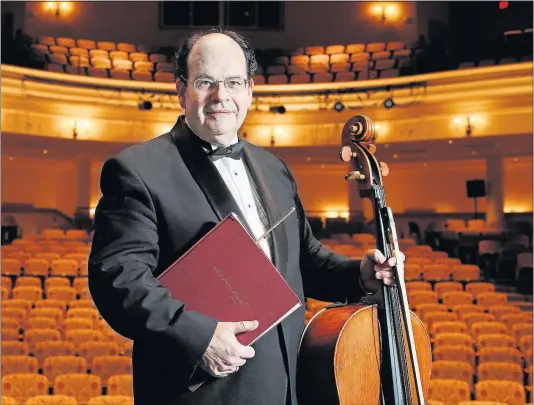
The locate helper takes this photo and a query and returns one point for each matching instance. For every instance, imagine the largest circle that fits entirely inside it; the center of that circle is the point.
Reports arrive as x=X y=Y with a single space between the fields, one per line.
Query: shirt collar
x=213 y=145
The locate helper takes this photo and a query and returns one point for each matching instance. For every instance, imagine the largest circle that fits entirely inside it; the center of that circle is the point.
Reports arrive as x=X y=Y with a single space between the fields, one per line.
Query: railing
x=32 y=220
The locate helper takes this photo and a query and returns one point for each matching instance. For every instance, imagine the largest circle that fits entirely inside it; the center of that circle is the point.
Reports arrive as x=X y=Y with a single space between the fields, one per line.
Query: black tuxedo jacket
x=160 y=197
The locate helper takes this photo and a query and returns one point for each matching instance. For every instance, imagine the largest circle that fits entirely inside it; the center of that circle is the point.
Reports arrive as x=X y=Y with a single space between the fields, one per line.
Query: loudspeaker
x=476 y=188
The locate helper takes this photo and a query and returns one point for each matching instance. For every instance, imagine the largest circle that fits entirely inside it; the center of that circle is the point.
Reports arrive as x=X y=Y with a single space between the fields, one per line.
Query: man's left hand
x=374 y=266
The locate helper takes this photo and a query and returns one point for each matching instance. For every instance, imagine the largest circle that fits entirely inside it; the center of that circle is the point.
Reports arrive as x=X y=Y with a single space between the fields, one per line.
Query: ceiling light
x=389 y=103
x=280 y=109
x=145 y=105
x=338 y=106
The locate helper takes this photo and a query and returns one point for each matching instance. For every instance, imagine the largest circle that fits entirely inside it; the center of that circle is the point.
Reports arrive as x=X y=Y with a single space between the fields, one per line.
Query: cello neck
x=396 y=313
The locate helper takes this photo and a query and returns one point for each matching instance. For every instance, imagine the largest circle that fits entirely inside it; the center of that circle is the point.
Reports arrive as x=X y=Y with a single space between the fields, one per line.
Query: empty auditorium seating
x=317 y=64
x=514 y=46
x=477 y=335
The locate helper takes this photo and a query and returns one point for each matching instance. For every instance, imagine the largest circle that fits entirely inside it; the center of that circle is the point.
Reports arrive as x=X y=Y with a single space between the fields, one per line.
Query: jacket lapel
x=279 y=235
x=205 y=173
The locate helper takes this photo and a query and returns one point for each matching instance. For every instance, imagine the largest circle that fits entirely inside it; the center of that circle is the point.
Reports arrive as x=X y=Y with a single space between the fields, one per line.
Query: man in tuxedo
x=161 y=196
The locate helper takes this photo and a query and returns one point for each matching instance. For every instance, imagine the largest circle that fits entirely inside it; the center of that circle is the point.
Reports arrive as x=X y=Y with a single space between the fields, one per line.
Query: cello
x=366 y=353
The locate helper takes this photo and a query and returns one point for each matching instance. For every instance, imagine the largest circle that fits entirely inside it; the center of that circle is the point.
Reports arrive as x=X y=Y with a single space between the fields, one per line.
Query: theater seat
x=300 y=60
x=24 y=386
x=402 y=53
x=339 y=58
x=45 y=40
x=300 y=78
x=138 y=56
x=314 y=50
x=118 y=55
x=389 y=73
x=165 y=77
x=276 y=70
x=380 y=55
x=333 y=49
x=108 y=366
x=509 y=392
x=17 y=364
x=355 y=48
x=58 y=49
x=126 y=47
x=449 y=391
x=86 y=43
x=450 y=369
x=394 y=46
x=111 y=400
x=81 y=386
x=121 y=384
x=58 y=365
x=360 y=57
x=322 y=77
x=486 y=62
x=101 y=63
x=157 y=58
x=318 y=68
x=51 y=400
x=297 y=69
x=319 y=59
x=466 y=65
x=165 y=67
x=142 y=75
x=107 y=46
x=277 y=79
x=375 y=47
x=5 y=400
x=258 y=79
x=281 y=60
x=344 y=76
x=144 y=66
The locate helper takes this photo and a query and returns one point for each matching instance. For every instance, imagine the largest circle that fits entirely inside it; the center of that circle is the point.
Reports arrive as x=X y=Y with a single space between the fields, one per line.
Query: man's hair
x=182 y=54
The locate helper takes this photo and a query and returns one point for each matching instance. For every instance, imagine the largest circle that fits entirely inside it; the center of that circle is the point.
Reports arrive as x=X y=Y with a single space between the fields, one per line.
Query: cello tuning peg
x=384 y=169
x=346 y=154
x=371 y=148
x=354 y=176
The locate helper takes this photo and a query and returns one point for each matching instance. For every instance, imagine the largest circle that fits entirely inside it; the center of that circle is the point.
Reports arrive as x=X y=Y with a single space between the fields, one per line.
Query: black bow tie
x=234 y=151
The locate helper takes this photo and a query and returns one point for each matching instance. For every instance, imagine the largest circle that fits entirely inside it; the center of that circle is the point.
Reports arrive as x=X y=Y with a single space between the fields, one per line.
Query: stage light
x=338 y=106
x=389 y=103
x=280 y=109
x=145 y=105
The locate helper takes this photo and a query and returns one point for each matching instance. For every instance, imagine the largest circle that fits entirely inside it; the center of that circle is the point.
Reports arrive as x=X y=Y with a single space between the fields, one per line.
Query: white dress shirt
x=236 y=178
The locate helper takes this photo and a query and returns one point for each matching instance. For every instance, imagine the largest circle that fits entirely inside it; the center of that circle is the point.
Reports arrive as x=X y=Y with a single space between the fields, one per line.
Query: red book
x=227 y=276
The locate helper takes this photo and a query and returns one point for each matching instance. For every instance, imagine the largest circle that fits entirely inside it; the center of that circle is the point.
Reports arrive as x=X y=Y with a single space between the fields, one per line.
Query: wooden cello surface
x=339 y=360
x=376 y=352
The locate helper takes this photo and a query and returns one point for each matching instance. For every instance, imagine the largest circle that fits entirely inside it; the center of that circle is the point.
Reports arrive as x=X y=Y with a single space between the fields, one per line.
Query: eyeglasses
x=206 y=85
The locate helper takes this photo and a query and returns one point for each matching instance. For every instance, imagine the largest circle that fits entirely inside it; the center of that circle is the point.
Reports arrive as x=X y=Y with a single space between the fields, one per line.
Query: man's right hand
x=225 y=354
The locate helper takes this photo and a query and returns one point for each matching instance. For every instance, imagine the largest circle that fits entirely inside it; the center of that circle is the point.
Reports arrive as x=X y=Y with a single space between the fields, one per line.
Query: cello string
x=388 y=337
x=394 y=304
x=402 y=348
x=401 y=290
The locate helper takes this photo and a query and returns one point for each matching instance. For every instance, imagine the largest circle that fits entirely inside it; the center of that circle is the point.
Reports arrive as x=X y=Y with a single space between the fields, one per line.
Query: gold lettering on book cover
x=236 y=299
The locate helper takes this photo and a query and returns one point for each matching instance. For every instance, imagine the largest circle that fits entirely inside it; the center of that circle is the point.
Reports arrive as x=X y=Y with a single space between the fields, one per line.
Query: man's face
x=215 y=115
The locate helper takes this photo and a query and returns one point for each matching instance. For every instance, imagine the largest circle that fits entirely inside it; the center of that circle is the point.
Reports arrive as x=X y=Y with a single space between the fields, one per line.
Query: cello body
x=337 y=363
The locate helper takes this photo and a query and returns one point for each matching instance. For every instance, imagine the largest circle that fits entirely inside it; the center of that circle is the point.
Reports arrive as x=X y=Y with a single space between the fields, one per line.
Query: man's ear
x=250 y=92
x=181 y=89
